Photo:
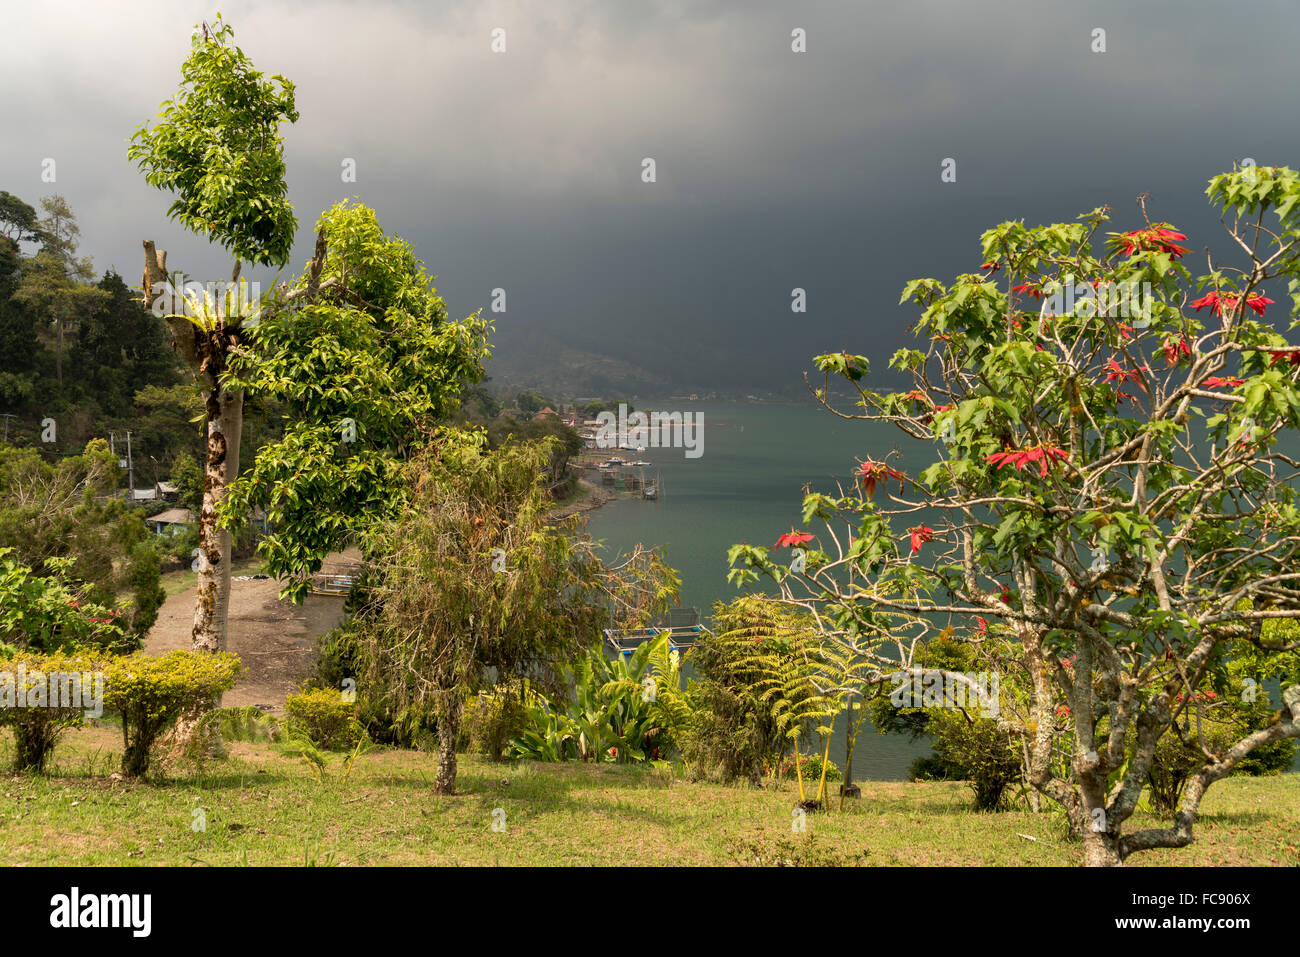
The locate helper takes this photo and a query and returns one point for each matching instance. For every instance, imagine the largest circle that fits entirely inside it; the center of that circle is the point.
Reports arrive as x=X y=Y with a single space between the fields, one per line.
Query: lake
x=747 y=486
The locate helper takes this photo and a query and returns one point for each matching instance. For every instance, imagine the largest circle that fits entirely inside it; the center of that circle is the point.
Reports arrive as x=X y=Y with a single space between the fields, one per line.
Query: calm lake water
x=747 y=486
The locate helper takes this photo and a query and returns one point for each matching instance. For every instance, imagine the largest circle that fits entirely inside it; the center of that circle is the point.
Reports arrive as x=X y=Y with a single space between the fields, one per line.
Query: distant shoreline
x=594 y=499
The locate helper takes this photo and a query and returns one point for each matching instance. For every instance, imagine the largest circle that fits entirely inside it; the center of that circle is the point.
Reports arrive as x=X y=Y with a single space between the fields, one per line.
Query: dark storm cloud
x=775 y=170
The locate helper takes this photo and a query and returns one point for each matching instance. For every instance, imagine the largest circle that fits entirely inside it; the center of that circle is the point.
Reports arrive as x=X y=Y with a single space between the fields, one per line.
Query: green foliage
x=475 y=577
x=568 y=443
x=217 y=146
x=38 y=724
x=988 y=756
x=150 y=692
x=738 y=727
x=50 y=512
x=51 y=614
x=362 y=373
x=187 y=476
x=118 y=347
x=629 y=708
x=328 y=718
x=492 y=718
x=1109 y=482
x=810 y=766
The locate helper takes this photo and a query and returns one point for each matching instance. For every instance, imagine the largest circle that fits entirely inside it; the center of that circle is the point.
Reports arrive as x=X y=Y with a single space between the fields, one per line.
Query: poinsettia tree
x=1110 y=488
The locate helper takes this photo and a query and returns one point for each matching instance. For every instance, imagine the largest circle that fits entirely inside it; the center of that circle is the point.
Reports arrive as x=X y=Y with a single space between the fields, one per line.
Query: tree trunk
x=58 y=354
x=205 y=351
x=444 y=782
x=1100 y=849
x=225 y=411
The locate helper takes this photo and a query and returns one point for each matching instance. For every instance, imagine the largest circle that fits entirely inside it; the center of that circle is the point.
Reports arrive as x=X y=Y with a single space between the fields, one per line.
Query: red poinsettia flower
x=1175 y=350
x=1222 y=382
x=990 y=267
x=1258 y=302
x=920 y=535
x=793 y=539
x=871 y=472
x=1292 y=357
x=1044 y=455
x=1224 y=303
x=1117 y=373
x=1158 y=238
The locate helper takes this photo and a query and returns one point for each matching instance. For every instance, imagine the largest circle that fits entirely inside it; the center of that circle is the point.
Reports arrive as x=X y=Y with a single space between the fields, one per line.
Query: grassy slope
x=268 y=809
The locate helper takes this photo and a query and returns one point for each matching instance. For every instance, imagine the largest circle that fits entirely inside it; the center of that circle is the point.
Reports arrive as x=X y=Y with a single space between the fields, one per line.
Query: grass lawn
x=264 y=808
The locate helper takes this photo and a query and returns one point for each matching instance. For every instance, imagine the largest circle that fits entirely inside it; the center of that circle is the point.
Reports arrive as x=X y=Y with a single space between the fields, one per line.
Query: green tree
x=1108 y=487
x=120 y=350
x=530 y=403
x=52 y=612
x=56 y=285
x=474 y=578
x=18 y=222
x=217 y=146
x=362 y=367
x=51 y=513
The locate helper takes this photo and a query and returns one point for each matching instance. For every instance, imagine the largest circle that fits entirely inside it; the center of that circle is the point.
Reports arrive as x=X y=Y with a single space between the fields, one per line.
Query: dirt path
x=275 y=639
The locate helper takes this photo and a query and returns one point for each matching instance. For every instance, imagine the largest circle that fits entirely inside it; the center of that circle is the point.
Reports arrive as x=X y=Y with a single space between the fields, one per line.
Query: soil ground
x=275 y=639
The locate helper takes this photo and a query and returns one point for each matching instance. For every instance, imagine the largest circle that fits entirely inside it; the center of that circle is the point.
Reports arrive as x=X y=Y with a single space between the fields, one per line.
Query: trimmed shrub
x=327 y=717
x=152 y=691
x=40 y=709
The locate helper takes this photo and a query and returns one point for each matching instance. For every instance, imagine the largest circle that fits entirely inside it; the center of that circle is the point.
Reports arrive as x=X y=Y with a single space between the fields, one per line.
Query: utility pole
x=130 y=469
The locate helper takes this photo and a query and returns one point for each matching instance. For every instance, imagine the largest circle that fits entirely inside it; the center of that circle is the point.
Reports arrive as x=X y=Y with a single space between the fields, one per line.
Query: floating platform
x=335 y=578
x=682 y=626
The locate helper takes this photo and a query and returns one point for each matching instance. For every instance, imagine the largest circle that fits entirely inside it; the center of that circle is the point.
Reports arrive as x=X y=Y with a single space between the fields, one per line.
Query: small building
x=546 y=413
x=170 y=522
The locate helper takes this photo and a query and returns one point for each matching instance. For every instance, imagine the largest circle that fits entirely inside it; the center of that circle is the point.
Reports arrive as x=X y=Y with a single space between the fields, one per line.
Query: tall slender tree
x=217 y=146
x=56 y=284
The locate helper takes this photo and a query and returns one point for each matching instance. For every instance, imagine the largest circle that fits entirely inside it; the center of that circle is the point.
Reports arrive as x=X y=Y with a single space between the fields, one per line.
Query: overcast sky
x=775 y=169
